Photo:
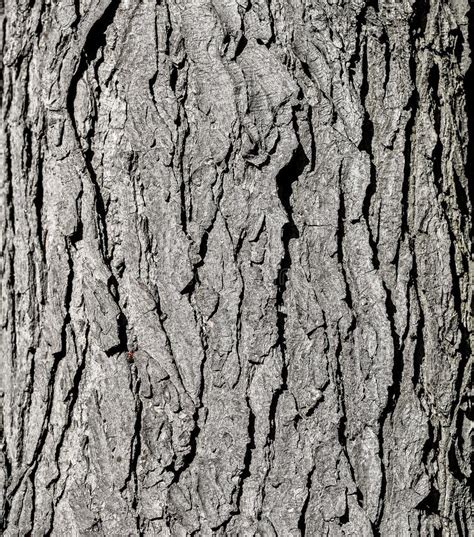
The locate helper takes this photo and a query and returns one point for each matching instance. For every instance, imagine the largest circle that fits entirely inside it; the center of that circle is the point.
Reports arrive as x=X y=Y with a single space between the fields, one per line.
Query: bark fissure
x=284 y=181
x=95 y=41
x=366 y=145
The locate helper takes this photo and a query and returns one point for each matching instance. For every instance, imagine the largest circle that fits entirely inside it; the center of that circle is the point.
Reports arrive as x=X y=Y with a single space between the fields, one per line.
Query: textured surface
x=265 y=203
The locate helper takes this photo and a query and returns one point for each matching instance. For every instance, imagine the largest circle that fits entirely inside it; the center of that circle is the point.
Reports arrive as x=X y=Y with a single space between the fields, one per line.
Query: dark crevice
x=9 y=180
x=151 y=86
x=184 y=221
x=173 y=81
x=27 y=147
x=419 y=19
x=95 y=41
x=462 y=200
x=191 y=286
x=122 y=321
x=469 y=95
x=430 y=504
x=313 y=142
x=340 y=238
x=412 y=107
x=457 y=444
x=12 y=313
x=384 y=40
x=419 y=352
x=189 y=457
x=461 y=522
x=136 y=443
x=248 y=452
x=240 y=46
x=366 y=145
x=417 y=26
x=304 y=510
x=361 y=20
x=38 y=203
x=437 y=154
x=285 y=179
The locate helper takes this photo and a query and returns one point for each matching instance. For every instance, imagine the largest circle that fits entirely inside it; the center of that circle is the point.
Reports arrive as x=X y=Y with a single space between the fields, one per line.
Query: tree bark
x=235 y=267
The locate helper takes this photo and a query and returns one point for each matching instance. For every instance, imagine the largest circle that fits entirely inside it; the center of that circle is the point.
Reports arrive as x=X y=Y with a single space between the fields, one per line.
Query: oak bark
x=235 y=267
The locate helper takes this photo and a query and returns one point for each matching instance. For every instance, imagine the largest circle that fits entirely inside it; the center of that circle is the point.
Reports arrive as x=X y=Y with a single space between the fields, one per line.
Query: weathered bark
x=266 y=203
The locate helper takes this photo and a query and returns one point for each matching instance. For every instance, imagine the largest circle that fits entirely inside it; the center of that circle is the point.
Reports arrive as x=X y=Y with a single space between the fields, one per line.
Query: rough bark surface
x=235 y=267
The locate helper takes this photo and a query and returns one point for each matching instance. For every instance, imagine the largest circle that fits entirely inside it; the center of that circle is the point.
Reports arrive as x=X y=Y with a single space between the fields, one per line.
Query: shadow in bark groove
x=285 y=179
x=96 y=39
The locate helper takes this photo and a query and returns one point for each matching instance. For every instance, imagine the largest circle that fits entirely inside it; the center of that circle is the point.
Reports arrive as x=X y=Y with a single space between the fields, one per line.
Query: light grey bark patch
x=235 y=267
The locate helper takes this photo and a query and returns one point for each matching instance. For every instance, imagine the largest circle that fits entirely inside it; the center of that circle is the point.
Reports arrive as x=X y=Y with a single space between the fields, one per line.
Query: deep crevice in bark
x=302 y=519
x=284 y=181
x=248 y=453
x=361 y=21
x=95 y=41
x=341 y=216
x=38 y=203
x=366 y=145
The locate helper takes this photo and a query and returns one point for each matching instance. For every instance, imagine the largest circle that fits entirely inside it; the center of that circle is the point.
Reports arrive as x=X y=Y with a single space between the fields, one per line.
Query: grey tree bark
x=235 y=267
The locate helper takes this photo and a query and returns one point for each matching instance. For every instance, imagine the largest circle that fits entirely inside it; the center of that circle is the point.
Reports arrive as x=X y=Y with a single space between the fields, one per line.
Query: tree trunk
x=235 y=267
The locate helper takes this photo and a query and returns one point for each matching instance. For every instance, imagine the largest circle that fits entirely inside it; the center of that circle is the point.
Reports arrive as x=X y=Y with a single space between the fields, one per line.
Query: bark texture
x=235 y=267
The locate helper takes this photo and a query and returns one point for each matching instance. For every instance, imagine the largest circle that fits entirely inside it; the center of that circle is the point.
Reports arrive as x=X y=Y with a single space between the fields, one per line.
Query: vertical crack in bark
x=182 y=135
x=384 y=40
x=94 y=42
x=366 y=145
x=419 y=352
x=302 y=518
x=136 y=444
x=417 y=24
x=361 y=20
x=341 y=222
x=38 y=203
x=122 y=321
x=248 y=453
x=9 y=180
x=284 y=181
